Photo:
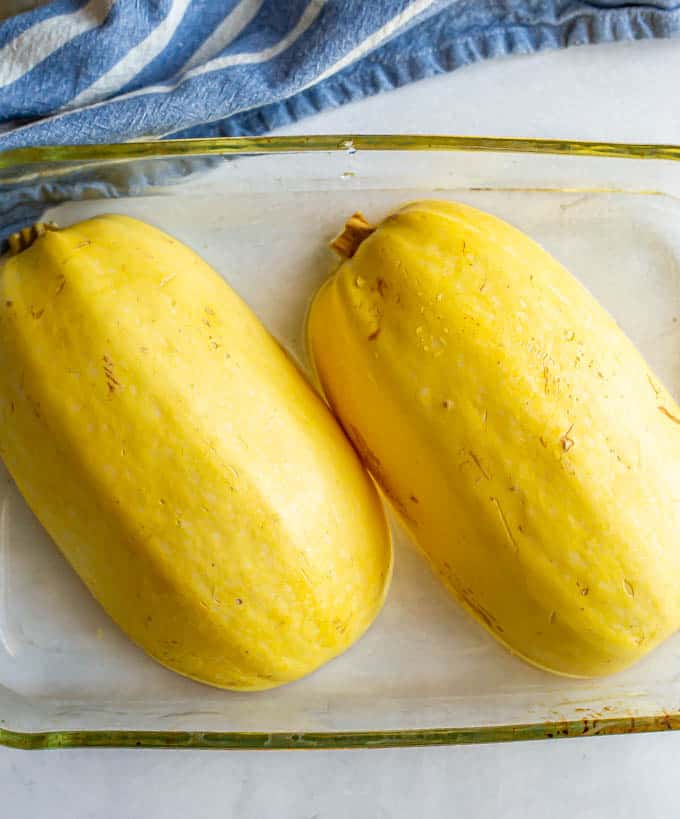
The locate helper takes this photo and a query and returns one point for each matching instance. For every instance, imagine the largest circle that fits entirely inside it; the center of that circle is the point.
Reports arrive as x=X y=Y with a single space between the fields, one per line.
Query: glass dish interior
x=264 y=222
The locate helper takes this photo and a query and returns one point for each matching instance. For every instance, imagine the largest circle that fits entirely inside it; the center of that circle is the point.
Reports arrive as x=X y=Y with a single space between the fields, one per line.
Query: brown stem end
x=353 y=234
x=24 y=238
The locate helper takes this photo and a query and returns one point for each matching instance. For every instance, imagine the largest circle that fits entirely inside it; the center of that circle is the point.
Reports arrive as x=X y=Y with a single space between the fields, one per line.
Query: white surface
x=622 y=93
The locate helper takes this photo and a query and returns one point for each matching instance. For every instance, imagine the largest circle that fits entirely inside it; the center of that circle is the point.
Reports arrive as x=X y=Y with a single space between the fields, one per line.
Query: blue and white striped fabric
x=88 y=71
x=77 y=71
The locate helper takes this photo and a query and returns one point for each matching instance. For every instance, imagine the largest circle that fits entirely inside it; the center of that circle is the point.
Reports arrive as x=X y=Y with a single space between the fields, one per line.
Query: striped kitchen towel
x=87 y=71
x=111 y=70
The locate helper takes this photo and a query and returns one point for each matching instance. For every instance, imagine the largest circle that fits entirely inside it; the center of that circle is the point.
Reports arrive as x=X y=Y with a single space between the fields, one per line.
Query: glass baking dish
x=262 y=211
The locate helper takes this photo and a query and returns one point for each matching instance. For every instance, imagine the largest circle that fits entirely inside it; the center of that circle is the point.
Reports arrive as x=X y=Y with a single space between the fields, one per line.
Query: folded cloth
x=92 y=71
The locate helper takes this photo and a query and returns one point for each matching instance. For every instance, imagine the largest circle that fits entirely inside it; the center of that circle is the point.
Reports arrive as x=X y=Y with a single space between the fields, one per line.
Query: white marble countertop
x=624 y=92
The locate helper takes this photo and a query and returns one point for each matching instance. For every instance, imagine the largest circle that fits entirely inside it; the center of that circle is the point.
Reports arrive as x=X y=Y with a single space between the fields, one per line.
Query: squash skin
x=519 y=434
x=181 y=462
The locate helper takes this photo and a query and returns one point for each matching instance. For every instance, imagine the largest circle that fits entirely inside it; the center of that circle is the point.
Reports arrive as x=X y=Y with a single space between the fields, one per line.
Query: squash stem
x=353 y=234
x=24 y=238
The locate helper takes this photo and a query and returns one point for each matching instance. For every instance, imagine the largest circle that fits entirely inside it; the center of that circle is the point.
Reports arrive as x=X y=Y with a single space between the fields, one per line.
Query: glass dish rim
x=337 y=740
x=244 y=146
x=246 y=740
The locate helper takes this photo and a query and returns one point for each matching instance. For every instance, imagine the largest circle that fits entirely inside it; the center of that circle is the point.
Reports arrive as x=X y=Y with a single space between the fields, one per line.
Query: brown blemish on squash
x=653 y=385
x=669 y=415
x=339 y=626
x=375 y=334
x=484 y=615
x=37 y=314
x=61 y=283
x=479 y=466
x=111 y=381
x=35 y=406
x=567 y=442
x=381 y=286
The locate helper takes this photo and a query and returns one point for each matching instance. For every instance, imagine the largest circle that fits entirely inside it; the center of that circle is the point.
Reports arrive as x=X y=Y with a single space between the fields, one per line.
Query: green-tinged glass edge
x=241 y=146
x=330 y=142
x=339 y=740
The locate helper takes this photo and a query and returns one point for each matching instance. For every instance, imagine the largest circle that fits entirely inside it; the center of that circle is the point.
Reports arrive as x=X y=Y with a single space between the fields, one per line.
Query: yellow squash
x=185 y=468
x=524 y=441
